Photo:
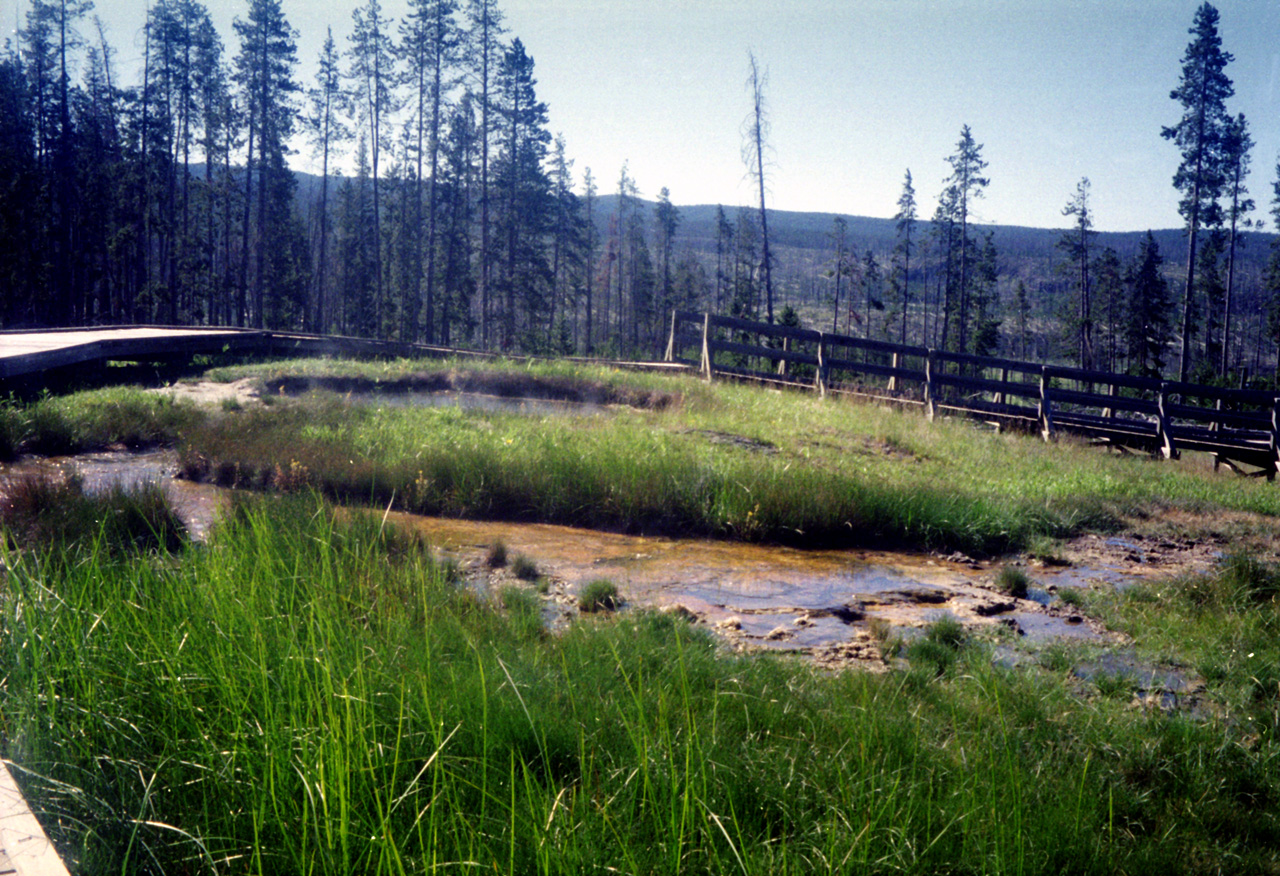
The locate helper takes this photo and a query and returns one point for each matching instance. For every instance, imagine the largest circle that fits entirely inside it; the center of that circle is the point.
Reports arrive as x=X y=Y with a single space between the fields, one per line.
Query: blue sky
x=861 y=90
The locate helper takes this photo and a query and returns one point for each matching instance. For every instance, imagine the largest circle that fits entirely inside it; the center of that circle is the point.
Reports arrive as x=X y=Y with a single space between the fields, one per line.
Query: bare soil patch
x=495 y=383
x=244 y=392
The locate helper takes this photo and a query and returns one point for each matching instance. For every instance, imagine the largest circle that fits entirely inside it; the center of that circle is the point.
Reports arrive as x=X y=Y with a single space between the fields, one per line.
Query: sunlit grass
x=313 y=693
x=722 y=460
x=725 y=461
x=116 y=417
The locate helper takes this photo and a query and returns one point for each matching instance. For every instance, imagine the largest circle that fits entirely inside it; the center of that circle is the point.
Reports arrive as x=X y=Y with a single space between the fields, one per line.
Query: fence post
x=1109 y=411
x=820 y=378
x=1004 y=378
x=1168 y=449
x=1215 y=427
x=707 y=366
x=1275 y=440
x=930 y=396
x=1046 y=409
x=671 y=340
x=782 y=363
x=895 y=363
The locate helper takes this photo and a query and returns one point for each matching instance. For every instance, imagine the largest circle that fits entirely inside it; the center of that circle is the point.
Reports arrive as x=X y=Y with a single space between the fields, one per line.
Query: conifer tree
x=840 y=267
x=457 y=207
x=872 y=292
x=724 y=259
x=328 y=131
x=965 y=184
x=525 y=191
x=905 y=220
x=1147 y=325
x=1075 y=245
x=372 y=75
x=264 y=72
x=1108 y=292
x=1271 y=278
x=484 y=35
x=1202 y=92
x=430 y=43
x=666 y=221
x=589 y=255
x=1236 y=148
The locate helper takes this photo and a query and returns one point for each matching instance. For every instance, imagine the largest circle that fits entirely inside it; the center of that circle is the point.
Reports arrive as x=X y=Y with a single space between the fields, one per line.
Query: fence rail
x=1164 y=418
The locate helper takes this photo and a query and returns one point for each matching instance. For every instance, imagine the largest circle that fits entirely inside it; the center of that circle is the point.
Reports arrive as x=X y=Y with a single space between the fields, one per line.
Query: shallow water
x=762 y=596
x=196 y=504
x=756 y=596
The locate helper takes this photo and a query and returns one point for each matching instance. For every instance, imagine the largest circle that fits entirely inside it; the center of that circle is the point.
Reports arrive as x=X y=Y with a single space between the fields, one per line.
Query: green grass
x=719 y=461
x=524 y=568
x=94 y=420
x=1013 y=581
x=598 y=595
x=725 y=461
x=311 y=692
x=54 y=513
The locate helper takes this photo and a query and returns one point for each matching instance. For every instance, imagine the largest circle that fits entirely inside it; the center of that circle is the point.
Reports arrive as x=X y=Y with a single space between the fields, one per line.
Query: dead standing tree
x=755 y=132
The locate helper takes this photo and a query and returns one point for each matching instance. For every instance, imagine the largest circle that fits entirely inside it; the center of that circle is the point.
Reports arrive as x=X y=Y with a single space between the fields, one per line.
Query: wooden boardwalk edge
x=25 y=849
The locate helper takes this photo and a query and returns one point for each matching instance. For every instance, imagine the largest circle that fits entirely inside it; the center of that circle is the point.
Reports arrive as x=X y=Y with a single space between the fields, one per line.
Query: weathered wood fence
x=1164 y=418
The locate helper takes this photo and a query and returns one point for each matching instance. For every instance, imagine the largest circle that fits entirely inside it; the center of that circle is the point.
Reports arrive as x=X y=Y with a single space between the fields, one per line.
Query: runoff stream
x=835 y=607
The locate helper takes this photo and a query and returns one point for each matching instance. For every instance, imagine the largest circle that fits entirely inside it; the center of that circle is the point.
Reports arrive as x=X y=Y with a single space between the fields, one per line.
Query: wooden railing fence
x=1164 y=418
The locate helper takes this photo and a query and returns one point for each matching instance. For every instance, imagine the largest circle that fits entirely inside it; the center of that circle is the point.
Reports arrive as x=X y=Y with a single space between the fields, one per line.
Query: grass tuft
x=47 y=512
x=496 y=556
x=524 y=568
x=941 y=645
x=598 y=595
x=1013 y=581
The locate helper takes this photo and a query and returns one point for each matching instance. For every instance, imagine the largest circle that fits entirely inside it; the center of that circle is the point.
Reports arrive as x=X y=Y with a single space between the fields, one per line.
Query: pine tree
x=1075 y=245
x=1236 y=148
x=457 y=206
x=745 y=263
x=1022 y=310
x=872 y=292
x=1209 y=303
x=943 y=230
x=666 y=221
x=589 y=256
x=372 y=75
x=1147 y=327
x=430 y=46
x=567 y=243
x=905 y=220
x=264 y=72
x=325 y=126
x=1108 y=292
x=49 y=40
x=965 y=184
x=20 y=261
x=1203 y=91
x=986 y=322
x=485 y=50
x=724 y=259
x=525 y=196
x=212 y=101
x=840 y=267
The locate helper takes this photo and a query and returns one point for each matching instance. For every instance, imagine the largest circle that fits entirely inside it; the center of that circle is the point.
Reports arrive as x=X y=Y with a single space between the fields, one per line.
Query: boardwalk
x=23 y=353
x=24 y=848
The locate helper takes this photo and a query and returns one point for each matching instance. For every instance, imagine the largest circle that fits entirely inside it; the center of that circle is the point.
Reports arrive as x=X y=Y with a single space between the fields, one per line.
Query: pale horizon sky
x=858 y=91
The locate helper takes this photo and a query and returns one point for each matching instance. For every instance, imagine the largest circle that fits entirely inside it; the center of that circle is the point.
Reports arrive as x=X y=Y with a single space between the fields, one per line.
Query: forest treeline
x=446 y=212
